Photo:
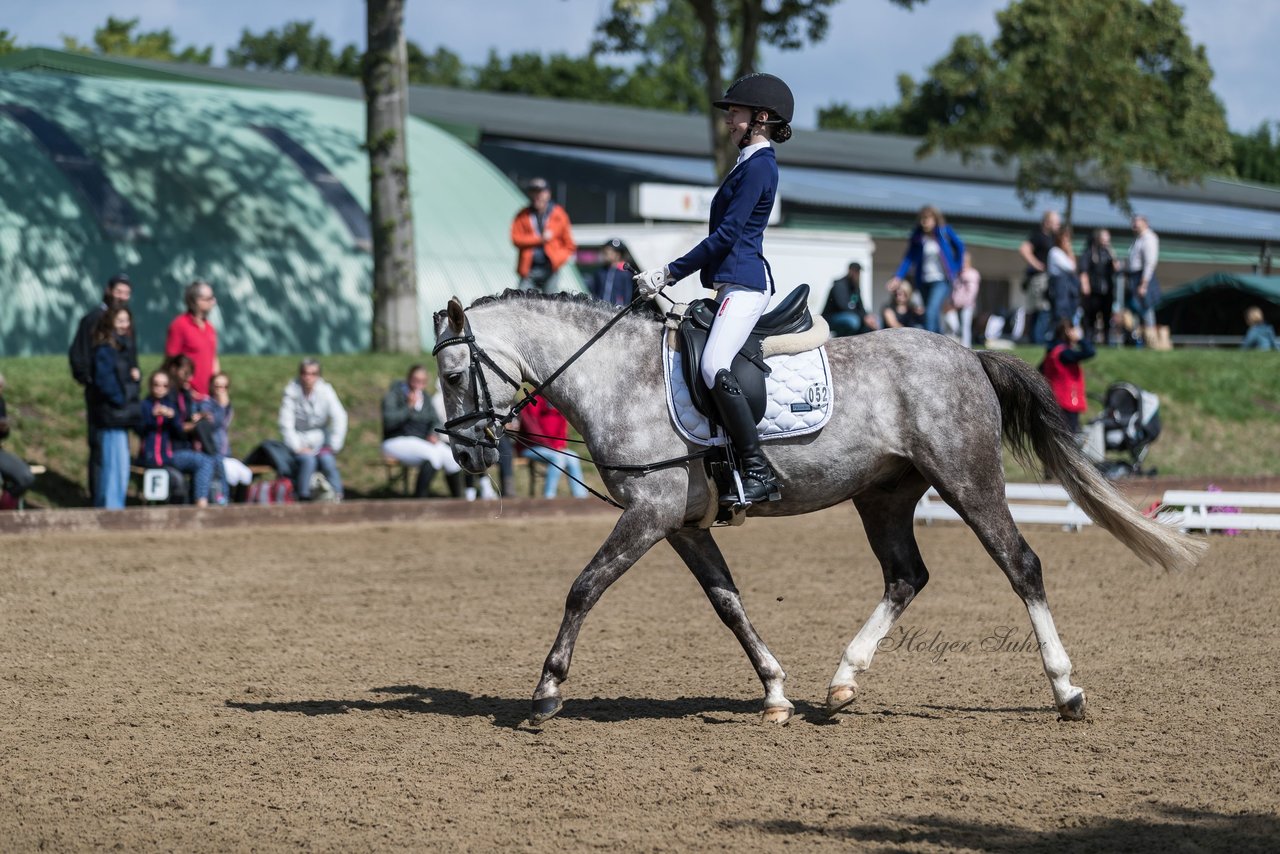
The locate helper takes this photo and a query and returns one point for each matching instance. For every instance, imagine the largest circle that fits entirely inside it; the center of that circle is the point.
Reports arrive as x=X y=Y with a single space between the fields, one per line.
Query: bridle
x=484 y=411
x=496 y=423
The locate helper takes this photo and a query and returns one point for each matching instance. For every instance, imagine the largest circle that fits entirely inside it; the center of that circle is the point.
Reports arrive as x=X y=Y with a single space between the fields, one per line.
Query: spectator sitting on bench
x=409 y=434
x=183 y=400
x=15 y=475
x=313 y=425
x=543 y=434
x=161 y=430
x=230 y=471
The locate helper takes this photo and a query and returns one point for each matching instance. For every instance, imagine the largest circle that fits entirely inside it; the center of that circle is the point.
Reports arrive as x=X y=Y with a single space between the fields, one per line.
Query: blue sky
x=869 y=43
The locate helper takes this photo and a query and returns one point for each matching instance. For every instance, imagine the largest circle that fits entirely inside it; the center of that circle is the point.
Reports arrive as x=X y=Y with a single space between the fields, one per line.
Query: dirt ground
x=364 y=688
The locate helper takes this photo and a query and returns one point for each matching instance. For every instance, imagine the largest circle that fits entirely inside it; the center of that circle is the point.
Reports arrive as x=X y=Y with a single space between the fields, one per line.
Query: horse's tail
x=1034 y=428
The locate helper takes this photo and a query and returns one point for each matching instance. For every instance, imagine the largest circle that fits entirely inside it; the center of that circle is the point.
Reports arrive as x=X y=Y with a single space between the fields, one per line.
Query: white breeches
x=739 y=310
x=413 y=451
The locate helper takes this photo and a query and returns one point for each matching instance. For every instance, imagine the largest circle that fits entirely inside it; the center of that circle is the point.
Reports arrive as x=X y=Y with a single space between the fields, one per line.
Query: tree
x=559 y=76
x=1256 y=155
x=727 y=35
x=668 y=74
x=395 y=281
x=8 y=44
x=1075 y=98
x=117 y=38
x=294 y=47
x=891 y=119
x=442 y=68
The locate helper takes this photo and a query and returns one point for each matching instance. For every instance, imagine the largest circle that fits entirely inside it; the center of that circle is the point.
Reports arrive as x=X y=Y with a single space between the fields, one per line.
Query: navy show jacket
x=733 y=251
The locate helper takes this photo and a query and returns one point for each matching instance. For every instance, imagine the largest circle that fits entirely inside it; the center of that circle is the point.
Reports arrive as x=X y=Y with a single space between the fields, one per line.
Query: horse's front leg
x=703 y=557
x=626 y=544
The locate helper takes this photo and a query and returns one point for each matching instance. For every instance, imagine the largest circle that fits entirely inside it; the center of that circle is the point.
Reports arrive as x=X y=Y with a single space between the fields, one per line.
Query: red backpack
x=278 y=491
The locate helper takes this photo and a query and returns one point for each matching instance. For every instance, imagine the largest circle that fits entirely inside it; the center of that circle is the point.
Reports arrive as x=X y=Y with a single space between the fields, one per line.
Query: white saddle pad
x=798 y=389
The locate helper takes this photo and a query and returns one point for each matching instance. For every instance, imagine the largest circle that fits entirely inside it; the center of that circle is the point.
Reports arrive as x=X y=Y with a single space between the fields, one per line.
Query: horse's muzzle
x=476 y=458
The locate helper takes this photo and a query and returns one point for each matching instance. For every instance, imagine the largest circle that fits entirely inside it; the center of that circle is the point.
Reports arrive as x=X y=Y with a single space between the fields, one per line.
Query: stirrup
x=767 y=491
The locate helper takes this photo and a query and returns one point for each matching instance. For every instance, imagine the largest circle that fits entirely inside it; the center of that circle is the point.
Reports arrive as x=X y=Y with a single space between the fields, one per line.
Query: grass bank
x=1221 y=411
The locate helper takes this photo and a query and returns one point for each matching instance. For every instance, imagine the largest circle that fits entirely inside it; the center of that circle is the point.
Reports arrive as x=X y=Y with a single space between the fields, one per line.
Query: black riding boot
x=457 y=484
x=426 y=474
x=758 y=482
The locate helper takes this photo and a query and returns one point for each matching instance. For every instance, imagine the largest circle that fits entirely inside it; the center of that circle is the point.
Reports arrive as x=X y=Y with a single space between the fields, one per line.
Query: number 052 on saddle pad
x=798 y=389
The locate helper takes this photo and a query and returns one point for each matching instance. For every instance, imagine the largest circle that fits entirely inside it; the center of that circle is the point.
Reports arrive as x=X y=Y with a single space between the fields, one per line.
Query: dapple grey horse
x=911 y=410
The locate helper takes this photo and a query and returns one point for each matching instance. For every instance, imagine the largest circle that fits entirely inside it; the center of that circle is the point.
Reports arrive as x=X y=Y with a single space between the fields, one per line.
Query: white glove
x=651 y=282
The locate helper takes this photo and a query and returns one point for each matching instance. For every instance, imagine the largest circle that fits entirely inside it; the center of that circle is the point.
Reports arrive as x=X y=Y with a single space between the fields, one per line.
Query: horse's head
x=477 y=392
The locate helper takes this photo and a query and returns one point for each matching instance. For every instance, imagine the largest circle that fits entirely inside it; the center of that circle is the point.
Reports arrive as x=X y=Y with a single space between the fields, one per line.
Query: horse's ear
x=457 y=317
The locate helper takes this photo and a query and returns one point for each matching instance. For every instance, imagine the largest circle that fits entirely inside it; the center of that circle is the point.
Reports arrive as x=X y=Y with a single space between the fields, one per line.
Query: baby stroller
x=1129 y=423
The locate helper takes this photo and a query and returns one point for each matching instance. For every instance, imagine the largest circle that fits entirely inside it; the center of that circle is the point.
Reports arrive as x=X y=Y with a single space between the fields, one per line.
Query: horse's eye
x=454 y=378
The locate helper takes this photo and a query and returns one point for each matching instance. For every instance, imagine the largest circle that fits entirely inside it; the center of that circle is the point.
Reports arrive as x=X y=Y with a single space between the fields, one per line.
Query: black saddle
x=749 y=368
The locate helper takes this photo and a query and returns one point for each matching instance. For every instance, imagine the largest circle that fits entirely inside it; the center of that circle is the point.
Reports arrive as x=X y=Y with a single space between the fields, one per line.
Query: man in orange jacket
x=543 y=237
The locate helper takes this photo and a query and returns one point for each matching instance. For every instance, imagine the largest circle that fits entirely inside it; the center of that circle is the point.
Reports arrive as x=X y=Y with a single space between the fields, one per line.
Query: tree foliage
x=8 y=42
x=1074 y=99
x=117 y=37
x=557 y=76
x=1256 y=155
x=297 y=46
x=720 y=42
x=294 y=47
x=442 y=68
x=896 y=119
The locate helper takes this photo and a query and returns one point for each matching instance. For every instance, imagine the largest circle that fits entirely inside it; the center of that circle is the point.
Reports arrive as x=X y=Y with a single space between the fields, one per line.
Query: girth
x=749 y=368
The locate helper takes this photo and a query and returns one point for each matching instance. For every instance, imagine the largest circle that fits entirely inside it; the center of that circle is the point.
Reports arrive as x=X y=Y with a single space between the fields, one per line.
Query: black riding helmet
x=760 y=91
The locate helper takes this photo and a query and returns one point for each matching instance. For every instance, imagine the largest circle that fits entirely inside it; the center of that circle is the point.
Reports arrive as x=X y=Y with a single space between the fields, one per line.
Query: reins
x=485 y=411
x=632 y=468
x=537 y=389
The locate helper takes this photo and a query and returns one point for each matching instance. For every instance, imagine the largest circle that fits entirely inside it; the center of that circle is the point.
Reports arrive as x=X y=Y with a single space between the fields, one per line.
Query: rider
x=758 y=108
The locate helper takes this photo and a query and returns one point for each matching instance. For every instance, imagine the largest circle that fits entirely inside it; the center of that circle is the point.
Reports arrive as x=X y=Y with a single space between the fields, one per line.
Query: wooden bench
x=1201 y=510
x=1029 y=503
x=36 y=471
x=398 y=473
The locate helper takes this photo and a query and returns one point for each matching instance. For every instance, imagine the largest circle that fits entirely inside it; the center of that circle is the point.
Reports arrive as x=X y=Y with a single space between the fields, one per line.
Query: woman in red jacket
x=1061 y=367
x=543 y=434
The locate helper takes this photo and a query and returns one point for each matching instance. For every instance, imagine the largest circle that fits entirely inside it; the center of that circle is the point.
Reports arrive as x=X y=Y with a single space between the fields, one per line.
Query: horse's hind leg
x=701 y=554
x=888 y=519
x=982 y=506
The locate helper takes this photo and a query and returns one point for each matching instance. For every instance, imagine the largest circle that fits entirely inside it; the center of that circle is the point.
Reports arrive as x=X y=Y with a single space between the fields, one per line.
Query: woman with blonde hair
x=933 y=259
x=901 y=312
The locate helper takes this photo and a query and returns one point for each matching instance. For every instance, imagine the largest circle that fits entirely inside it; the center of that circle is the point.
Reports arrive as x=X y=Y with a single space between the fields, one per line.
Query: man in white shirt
x=313 y=424
x=1140 y=269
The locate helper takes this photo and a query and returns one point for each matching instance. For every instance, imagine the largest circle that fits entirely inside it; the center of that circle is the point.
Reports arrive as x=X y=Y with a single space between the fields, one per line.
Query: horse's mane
x=572 y=298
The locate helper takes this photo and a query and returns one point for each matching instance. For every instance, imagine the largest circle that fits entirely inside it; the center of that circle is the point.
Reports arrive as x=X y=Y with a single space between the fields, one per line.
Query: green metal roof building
x=262 y=193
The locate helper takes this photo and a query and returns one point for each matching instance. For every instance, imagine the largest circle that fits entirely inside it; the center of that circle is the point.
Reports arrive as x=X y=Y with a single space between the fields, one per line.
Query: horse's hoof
x=1073 y=708
x=777 y=715
x=544 y=709
x=839 y=696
